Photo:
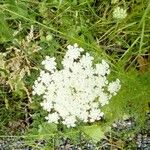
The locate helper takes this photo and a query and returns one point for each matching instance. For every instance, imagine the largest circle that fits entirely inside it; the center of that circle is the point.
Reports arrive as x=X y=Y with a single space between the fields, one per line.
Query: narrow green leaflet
x=5 y=31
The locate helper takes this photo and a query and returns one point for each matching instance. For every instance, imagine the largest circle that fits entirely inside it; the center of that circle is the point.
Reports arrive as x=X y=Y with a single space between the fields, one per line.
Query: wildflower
x=113 y=87
x=119 y=13
x=78 y=91
x=95 y=114
x=47 y=105
x=70 y=121
x=49 y=64
x=52 y=118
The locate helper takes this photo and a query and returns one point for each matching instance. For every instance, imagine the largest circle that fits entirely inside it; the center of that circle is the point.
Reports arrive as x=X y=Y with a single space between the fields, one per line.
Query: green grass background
x=125 y=44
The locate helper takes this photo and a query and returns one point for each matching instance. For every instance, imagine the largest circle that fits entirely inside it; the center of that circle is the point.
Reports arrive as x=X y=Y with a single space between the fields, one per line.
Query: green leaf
x=47 y=130
x=5 y=32
x=95 y=132
x=19 y=8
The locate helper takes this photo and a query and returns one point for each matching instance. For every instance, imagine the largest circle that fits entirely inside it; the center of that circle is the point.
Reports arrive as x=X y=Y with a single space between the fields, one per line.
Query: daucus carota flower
x=77 y=91
x=49 y=64
x=113 y=87
x=119 y=13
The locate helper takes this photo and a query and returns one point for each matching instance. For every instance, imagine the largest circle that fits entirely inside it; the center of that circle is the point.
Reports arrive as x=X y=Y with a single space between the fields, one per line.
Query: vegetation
x=33 y=29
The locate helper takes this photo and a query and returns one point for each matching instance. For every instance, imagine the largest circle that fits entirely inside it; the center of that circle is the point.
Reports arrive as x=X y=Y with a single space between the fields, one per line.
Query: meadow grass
x=51 y=25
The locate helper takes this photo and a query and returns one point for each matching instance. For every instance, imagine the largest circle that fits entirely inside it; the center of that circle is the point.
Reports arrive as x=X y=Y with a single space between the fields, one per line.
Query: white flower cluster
x=119 y=13
x=76 y=92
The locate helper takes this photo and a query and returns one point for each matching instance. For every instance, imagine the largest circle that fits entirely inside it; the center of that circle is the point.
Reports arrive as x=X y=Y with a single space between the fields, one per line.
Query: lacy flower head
x=119 y=13
x=78 y=91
